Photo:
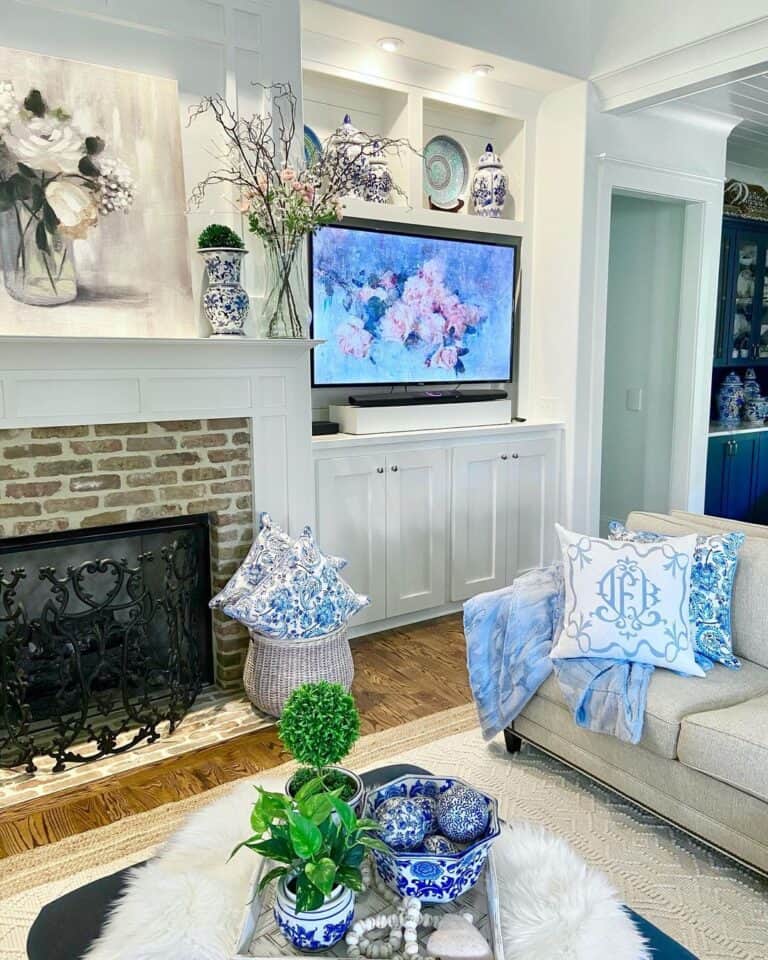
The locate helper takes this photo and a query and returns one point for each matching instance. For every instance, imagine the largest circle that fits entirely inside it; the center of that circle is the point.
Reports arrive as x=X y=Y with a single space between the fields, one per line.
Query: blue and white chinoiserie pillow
x=301 y=598
x=714 y=568
x=270 y=548
x=627 y=601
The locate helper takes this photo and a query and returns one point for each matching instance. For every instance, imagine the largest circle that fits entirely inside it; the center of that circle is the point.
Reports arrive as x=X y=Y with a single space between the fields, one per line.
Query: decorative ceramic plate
x=312 y=146
x=446 y=170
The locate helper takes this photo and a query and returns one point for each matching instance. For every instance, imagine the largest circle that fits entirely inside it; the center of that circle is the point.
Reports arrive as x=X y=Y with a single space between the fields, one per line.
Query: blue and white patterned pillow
x=300 y=598
x=270 y=548
x=627 y=601
x=714 y=568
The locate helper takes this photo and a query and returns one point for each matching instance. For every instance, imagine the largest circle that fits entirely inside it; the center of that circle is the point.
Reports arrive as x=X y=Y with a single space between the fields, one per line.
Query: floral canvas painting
x=93 y=234
x=396 y=308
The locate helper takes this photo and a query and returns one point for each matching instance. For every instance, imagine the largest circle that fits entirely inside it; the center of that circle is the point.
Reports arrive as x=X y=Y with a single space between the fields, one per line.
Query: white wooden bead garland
x=403 y=941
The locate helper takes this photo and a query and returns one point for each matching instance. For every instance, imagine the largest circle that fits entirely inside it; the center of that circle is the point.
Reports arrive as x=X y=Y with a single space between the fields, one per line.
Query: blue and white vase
x=730 y=400
x=348 y=143
x=317 y=929
x=489 y=185
x=378 y=181
x=751 y=385
x=225 y=301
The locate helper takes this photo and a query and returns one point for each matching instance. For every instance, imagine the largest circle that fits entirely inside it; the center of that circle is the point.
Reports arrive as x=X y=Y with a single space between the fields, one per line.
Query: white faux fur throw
x=187 y=903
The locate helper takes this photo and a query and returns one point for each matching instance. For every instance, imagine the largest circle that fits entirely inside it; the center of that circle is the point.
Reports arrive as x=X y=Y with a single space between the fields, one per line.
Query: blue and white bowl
x=433 y=878
x=318 y=929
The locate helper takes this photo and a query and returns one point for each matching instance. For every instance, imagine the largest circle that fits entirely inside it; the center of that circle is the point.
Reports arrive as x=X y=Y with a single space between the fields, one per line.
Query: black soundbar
x=426 y=396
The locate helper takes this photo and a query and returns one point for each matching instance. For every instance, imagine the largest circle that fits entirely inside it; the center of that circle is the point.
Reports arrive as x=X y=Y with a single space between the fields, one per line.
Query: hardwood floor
x=400 y=675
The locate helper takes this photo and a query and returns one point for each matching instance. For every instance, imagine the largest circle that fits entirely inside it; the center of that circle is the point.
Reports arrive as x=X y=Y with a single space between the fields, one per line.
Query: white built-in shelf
x=345 y=440
x=418 y=216
x=718 y=430
x=405 y=111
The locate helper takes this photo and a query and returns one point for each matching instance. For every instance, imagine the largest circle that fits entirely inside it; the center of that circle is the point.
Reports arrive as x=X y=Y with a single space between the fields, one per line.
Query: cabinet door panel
x=351 y=504
x=760 y=492
x=532 y=488
x=716 y=476
x=479 y=507
x=416 y=530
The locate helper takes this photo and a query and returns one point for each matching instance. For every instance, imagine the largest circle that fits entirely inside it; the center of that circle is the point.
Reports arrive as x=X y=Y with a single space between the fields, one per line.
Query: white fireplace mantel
x=55 y=381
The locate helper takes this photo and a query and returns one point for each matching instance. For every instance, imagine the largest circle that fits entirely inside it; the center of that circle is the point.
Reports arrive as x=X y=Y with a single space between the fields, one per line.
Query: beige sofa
x=703 y=760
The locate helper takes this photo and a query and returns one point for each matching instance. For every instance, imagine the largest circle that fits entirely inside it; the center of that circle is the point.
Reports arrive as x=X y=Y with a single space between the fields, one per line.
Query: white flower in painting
x=9 y=107
x=116 y=186
x=74 y=206
x=45 y=143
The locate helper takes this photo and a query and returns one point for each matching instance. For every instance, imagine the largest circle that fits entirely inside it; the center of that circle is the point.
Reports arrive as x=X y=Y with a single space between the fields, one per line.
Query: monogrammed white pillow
x=627 y=601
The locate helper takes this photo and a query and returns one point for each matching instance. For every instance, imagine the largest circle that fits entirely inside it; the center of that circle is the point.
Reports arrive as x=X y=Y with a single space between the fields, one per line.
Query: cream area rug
x=715 y=908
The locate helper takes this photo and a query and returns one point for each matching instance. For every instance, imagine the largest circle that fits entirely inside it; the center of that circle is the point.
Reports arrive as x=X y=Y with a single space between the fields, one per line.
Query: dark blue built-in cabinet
x=737 y=464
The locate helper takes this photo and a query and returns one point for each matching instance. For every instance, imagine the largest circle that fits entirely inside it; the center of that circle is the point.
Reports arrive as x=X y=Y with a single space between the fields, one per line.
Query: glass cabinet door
x=740 y=313
x=761 y=331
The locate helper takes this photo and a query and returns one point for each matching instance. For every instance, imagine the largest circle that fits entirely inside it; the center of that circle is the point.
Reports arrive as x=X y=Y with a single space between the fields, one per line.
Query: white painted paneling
x=533 y=505
x=199 y=392
x=78 y=396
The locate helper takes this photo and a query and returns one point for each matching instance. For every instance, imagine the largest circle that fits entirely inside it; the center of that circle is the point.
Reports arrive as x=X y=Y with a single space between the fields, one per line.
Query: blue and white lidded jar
x=316 y=929
x=225 y=301
x=378 y=181
x=489 y=185
x=349 y=143
x=751 y=385
x=730 y=400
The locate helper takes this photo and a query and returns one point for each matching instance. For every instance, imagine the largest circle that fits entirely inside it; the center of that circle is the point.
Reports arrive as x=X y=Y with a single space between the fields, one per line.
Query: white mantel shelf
x=65 y=381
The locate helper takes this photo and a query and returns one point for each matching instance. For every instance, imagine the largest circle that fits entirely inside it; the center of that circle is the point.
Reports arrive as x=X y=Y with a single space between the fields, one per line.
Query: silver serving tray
x=260 y=937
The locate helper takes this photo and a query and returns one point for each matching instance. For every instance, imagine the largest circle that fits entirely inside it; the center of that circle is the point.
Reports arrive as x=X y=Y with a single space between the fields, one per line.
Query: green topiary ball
x=217 y=235
x=320 y=722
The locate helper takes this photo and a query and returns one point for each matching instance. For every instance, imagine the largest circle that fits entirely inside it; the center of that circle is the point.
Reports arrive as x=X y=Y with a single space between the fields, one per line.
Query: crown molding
x=712 y=61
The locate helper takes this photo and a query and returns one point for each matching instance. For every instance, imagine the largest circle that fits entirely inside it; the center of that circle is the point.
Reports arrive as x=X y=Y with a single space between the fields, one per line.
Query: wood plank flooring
x=400 y=675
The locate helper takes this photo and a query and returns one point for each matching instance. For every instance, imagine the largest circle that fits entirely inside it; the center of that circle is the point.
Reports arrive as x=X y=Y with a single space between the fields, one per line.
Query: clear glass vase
x=37 y=265
x=286 y=304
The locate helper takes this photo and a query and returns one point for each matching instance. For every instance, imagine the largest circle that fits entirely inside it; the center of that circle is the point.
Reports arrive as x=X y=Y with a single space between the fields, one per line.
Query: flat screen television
x=397 y=307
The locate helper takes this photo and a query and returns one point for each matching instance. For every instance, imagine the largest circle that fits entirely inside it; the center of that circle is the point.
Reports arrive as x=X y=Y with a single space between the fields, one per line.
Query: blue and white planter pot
x=432 y=877
x=356 y=801
x=318 y=929
x=225 y=301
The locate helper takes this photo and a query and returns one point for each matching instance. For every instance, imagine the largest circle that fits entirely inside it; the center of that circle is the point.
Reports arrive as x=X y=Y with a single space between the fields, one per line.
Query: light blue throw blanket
x=509 y=637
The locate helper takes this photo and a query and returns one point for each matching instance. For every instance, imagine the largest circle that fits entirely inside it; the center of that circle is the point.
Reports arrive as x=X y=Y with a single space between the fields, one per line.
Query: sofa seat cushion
x=749 y=609
x=730 y=745
x=671 y=698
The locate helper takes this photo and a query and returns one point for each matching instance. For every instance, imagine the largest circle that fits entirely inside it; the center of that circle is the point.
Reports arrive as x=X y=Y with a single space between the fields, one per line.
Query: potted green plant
x=225 y=301
x=318 y=843
x=319 y=724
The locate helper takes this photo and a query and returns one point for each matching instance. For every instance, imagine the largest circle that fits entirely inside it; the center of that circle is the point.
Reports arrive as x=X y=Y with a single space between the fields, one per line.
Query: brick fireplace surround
x=100 y=432
x=71 y=477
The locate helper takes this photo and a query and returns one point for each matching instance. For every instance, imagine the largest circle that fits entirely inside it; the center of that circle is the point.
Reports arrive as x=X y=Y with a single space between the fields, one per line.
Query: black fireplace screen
x=105 y=635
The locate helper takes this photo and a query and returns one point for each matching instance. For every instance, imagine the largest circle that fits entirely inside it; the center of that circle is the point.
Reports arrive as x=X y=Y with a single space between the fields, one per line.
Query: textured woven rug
x=710 y=905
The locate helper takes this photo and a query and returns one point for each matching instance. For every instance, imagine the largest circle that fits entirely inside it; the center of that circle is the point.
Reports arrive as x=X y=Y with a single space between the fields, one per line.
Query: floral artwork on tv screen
x=398 y=308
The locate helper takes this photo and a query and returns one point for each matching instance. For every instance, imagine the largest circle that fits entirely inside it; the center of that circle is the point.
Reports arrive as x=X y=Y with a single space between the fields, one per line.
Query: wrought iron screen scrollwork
x=109 y=650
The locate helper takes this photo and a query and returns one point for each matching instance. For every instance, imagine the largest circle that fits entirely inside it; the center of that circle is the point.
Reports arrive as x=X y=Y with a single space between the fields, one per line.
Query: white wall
x=207 y=46
x=640 y=355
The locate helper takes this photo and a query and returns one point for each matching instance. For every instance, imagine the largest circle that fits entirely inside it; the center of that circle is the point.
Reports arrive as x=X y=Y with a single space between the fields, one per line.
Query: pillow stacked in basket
x=287 y=589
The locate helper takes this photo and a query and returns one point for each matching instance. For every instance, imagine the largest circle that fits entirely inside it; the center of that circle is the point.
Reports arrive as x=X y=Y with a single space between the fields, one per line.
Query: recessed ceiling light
x=390 y=44
x=482 y=69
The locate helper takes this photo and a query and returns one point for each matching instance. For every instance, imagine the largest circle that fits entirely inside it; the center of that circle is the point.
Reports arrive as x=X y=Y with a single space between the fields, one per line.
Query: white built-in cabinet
x=427 y=520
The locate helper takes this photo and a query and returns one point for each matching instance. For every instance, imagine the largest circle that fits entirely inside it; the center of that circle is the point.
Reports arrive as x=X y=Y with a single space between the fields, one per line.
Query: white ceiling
x=747 y=99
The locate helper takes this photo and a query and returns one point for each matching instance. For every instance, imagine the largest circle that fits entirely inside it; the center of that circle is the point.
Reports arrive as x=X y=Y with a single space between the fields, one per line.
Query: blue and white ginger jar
x=730 y=400
x=378 y=181
x=751 y=385
x=225 y=301
x=348 y=143
x=318 y=929
x=489 y=185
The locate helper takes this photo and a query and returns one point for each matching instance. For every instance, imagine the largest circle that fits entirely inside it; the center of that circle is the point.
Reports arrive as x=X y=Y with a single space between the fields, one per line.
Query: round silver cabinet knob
x=394 y=468
x=515 y=456
x=379 y=469
x=503 y=456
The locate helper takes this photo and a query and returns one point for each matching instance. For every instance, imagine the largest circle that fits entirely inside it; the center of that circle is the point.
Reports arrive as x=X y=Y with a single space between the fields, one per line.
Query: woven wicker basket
x=274 y=668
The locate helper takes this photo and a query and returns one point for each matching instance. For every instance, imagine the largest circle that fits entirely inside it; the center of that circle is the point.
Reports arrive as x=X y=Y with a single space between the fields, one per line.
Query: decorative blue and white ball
x=401 y=823
x=462 y=814
x=429 y=809
x=440 y=845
